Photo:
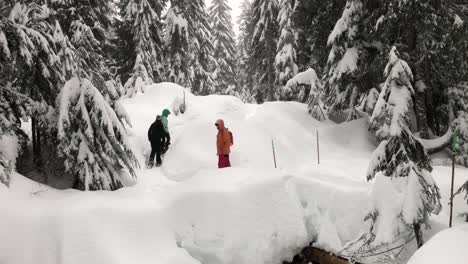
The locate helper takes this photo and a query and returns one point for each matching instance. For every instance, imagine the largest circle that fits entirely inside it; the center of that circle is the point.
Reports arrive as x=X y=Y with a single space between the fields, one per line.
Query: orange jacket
x=223 y=140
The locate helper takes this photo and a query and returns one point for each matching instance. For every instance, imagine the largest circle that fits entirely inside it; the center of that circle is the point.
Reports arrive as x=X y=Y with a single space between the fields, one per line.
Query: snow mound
x=448 y=246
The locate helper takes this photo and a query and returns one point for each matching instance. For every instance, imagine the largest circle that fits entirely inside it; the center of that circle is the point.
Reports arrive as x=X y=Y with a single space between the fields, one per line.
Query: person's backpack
x=231 y=137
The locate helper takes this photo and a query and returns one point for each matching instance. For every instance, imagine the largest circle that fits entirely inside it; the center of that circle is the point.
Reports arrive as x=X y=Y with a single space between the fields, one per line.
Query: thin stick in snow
x=454 y=138
x=273 y=148
x=183 y=105
x=318 y=149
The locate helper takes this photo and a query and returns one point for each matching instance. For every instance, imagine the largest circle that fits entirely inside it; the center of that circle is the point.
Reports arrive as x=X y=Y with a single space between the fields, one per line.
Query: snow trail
x=190 y=212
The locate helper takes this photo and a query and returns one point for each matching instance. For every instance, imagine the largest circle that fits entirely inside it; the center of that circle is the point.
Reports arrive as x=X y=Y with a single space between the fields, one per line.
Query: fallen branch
x=437 y=144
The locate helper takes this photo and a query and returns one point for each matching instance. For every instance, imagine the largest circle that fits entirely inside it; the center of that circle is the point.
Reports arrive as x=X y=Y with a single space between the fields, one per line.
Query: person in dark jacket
x=156 y=135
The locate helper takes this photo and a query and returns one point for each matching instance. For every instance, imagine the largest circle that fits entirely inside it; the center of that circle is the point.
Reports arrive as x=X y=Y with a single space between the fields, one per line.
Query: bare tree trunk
x=418 y=235
x=38 y=145
x=421 y=114
x=430 y=111
x=33 y=132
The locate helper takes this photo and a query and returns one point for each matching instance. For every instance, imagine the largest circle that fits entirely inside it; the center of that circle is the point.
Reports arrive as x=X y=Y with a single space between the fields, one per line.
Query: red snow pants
x=223 y=161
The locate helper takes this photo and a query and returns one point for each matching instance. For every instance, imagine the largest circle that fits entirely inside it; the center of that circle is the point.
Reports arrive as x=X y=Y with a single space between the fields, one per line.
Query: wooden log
x=319 y=256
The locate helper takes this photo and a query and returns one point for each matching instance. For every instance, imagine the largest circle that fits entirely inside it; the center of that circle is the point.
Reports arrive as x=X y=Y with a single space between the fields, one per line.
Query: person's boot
x=149 y=165
x=158 y=164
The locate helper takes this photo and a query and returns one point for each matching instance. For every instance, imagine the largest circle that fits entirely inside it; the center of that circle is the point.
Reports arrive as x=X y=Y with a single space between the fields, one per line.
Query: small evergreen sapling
x=307 y=87
x=404 y=193
x=138 y=80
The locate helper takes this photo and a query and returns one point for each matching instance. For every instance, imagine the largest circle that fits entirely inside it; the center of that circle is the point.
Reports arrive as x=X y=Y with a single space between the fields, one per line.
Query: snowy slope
x=188 y=211
x=448 y=246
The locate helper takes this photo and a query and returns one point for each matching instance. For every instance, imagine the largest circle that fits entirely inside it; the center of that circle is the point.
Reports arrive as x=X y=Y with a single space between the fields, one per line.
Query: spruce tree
x=307 y=87
x=313 y=20
x=92 y=140
x=404 y=193
x=428 y=35
x=65 y=51
x=138 y=80
x=459 y=93
x=285 y=61
x=145 y=44
x=201 y=49
x=88 y=26
x=262 y=58
x=191 y=62
x=177 y=44
x=97 y=15
x=13 y=107
x=224 y=46
x=245 y=81
x=342 y=68
x=31 y=69
x=91 y=59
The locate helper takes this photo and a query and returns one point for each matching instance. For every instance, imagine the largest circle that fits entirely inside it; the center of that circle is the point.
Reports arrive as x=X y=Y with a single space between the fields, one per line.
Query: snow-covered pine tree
x=313 y=21
x=18 y=47
x=92 y=62
x=224 y=46
x=96 y=14
x=244 y=82
x=32 y=40
x=145 y=44
x=201 y=48
x=285 y=60
x=262 y=58
x=32 y=70
x=88 y=27
x=5 y=171
x=65 y=51
x=429 y=33
x=114 y=91
x=386 y=115
x=92 y=139
x=177 y=45
x=342 y=65
x=139 y=78
x=307 y=87
x=404 y=193
x=459 y=95
x=13 y=106
x=91 y=65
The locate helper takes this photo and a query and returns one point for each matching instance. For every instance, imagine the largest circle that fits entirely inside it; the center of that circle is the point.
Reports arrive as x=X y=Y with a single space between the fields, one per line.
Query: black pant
x=156 y=150
x=166 y=140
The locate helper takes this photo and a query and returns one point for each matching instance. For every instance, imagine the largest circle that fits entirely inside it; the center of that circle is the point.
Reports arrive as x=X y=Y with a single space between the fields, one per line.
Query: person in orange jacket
x=223 y=144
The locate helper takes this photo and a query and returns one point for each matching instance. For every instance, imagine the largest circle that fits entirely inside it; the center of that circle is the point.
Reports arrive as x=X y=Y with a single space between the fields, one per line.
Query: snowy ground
x=188 y=211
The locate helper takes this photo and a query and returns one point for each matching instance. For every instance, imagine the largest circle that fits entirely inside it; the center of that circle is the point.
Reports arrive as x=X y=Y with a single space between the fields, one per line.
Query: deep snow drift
x=448 y=246
x=188 y=211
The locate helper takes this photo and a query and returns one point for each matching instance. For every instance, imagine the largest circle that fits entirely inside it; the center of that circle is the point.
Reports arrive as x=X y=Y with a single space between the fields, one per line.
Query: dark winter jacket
x=156 y=131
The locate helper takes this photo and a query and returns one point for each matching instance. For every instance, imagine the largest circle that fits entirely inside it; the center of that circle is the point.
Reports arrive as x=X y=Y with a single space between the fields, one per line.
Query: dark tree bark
x=33 y=132
x=38 y=146
x=418 y=235
x=421 y=114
